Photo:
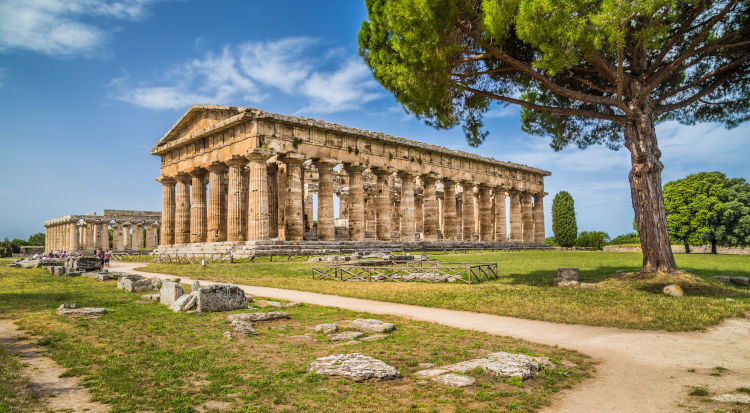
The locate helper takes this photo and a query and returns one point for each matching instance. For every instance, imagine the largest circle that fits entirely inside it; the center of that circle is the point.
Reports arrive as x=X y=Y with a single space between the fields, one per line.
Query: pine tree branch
x=705 y=77
x=687 y=102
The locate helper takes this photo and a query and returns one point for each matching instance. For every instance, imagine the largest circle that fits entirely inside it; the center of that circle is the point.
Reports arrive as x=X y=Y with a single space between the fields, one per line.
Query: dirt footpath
x=54 y=392
x=640 y=371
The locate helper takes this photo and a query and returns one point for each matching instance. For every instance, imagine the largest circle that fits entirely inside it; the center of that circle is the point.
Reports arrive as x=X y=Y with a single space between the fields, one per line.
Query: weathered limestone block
x=354 y=366
x=502 y=364
x=170 y=291
x=244 y=327
x=134 y=283
x=102 y=275
x=83 y=263
x=195 y=286
x=221 y=298
x=326 y=328
x=455 y=380
x=151 y=297
x=371 y=325
x=29 y=263
x=566 y=274
x=346 y=335
x=186 y=302
x=57 y=270
x=732 y=398
x=374 y=337
x=269 y=316
x=73 y=311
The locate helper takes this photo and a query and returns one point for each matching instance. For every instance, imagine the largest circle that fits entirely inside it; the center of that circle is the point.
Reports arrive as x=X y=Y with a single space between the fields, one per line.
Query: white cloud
x=54 y=27
x=252 y=70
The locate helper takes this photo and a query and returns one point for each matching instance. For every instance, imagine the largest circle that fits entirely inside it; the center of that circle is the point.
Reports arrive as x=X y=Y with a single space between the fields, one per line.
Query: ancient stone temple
x=131 y=230
x=239 y=179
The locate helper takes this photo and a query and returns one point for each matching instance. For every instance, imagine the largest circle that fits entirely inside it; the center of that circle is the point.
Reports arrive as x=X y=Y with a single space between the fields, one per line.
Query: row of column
x=85 y=236
x=250 y=200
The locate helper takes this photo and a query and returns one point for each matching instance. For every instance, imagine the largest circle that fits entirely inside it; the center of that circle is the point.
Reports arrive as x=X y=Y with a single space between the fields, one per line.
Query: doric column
x=501 y=230
x=527 y=220
x=382 y=204
x=126 y=240
x=355 y=203
x=216 y=215
x=281 y=224
x=294 y=225
x=430 y=208
x=343 y=210
x=103 y=241
x=539 y=217
x=198 y=213
x=485 y=227
x=307 y=203
x=450 y=232
x=167 y=211
x=73 y=240
x=116 y=237
x=137 y=235
x=515 y=216
x=257 y=195
x=273 y=199
x=182 y=209
x=418 y=213
x=326 y=228
x=467 y=215
x=407 y=206
x=89 y=237
x=151 y=235
x=235 y=213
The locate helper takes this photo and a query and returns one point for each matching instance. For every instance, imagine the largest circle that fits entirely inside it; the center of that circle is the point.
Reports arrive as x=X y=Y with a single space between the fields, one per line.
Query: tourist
x=107 y=256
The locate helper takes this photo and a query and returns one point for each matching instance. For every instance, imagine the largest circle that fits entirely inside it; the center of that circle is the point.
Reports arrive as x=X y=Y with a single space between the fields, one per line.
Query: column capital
x=448 y=181
x=354 y=167
x=406 y=175
x=324 y=162
x=126 y=224
x=380 y=172
x=292 y=158
x=260 y=154
x=236 y=160
x=197 y=172
x=465 y=184
x=166 y=180
x=183 y=177
x=428 y=178
x=217 y=167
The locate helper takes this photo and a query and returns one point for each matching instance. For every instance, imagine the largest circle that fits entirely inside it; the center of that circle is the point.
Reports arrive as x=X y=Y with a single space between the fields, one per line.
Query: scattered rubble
x=346 y=335
x=455 y=380
x=501 y=364
x=327 y=328
x=103 y=275
x=269 y=316
x=374 y=337
x=354 y=366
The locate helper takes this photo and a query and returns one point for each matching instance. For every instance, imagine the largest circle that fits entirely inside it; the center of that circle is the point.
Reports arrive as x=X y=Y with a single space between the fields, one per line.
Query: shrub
x=551 y=241
x=630 y=238
x=595 y=239
x=564 y=219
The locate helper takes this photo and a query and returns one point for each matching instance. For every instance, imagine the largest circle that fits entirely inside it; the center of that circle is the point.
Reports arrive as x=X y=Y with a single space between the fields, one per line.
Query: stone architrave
x=257 y=196
x=527 y=220
x=167 y=210
x=515 y=216
x=539 y=217
x=355 y=203
x=198 y=212
x=407 y=206
x=295 y=229
x=235 y=214
x=216 y=217
x=501 y=230
x=326 y=228
x=430 y=208
x=382 y=205
x=182 y=209
x=450 y=232
x=485 y=227
x=467 y=216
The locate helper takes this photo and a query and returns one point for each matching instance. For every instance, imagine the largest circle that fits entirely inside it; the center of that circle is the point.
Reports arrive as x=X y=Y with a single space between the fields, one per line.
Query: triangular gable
x=196 y=118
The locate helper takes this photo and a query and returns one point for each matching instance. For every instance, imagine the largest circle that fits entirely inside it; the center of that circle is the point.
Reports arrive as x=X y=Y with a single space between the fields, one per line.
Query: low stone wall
x=264 y=248
x=680 y=249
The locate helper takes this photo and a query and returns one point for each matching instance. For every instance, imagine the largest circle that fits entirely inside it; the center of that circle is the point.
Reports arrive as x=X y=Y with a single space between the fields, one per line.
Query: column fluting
x=326 y=228
x=382 y=205
x=539 y=217
x=235 y=213
x=515 y=216
x=257 y=195
x=501 y=229
x=527 y=220
x=408 y=228
x=294 y=228
x=430 y=208
x=450 y=232
x=485 y=228
x=198 y=213
x=182 y=209
x=467 y=215
x=355 y=203
x=216 y=216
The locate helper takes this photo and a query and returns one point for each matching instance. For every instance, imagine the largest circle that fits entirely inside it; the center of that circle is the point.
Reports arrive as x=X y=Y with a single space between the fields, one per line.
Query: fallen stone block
x=430 y=373
x=741 y=281
x=57 y=270
x=169 y=292
x=29 y=263
x=72 y=310
x=269 y=316
x=503 y=365
x=186 y=302
x=674 y=290
x=195 y=286
x=568 y=283
x=455 y=380
x=73 y=273
x=346 y=335
x=566 y=274
x=151 y=297
x=371 y=325
x=220 y=297
x=244 y=327
x=374 y=337
x=354 y=366
x=326 y=328
x=733 y=398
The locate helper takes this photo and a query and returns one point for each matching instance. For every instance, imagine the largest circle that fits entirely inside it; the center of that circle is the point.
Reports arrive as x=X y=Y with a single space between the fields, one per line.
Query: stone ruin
x=72 y=266
x=354 y=366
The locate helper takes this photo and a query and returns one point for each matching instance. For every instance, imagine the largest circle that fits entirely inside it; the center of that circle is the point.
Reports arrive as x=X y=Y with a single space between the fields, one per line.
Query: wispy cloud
x=249 y=71
x=56 y=27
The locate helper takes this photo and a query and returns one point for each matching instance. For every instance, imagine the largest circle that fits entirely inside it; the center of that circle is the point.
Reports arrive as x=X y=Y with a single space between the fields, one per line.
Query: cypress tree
x=564 y=220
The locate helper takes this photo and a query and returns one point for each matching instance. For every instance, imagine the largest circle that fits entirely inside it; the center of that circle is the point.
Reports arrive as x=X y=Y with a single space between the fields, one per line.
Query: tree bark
x=713 y=246
x=687 y=248
x=646 y=193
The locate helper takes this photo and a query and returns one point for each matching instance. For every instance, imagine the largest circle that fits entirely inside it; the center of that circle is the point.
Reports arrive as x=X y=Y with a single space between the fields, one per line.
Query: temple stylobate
x=234 y=178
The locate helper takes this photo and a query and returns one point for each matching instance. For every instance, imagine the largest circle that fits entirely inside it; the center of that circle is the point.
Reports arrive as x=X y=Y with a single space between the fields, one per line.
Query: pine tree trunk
x=713 y=246
x=646 y=193
x=687 y=248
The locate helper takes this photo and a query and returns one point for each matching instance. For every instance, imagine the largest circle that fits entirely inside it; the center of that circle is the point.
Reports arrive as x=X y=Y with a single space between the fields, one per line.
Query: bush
x=564 y=220
x=631 y=238
x=7 y=248
x=551 y=241
x=595 y=240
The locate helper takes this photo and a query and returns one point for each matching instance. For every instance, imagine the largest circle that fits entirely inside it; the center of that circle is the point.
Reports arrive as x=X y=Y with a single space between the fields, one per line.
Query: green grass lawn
x=524 y=288
x=15 y=394
x=141 y=356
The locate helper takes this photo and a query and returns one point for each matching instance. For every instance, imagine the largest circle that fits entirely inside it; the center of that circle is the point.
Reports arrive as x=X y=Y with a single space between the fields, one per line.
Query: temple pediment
x=196 y=119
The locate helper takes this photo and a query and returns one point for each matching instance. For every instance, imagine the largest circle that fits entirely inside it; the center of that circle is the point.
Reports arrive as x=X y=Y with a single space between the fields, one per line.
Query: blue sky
x=88 y=86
